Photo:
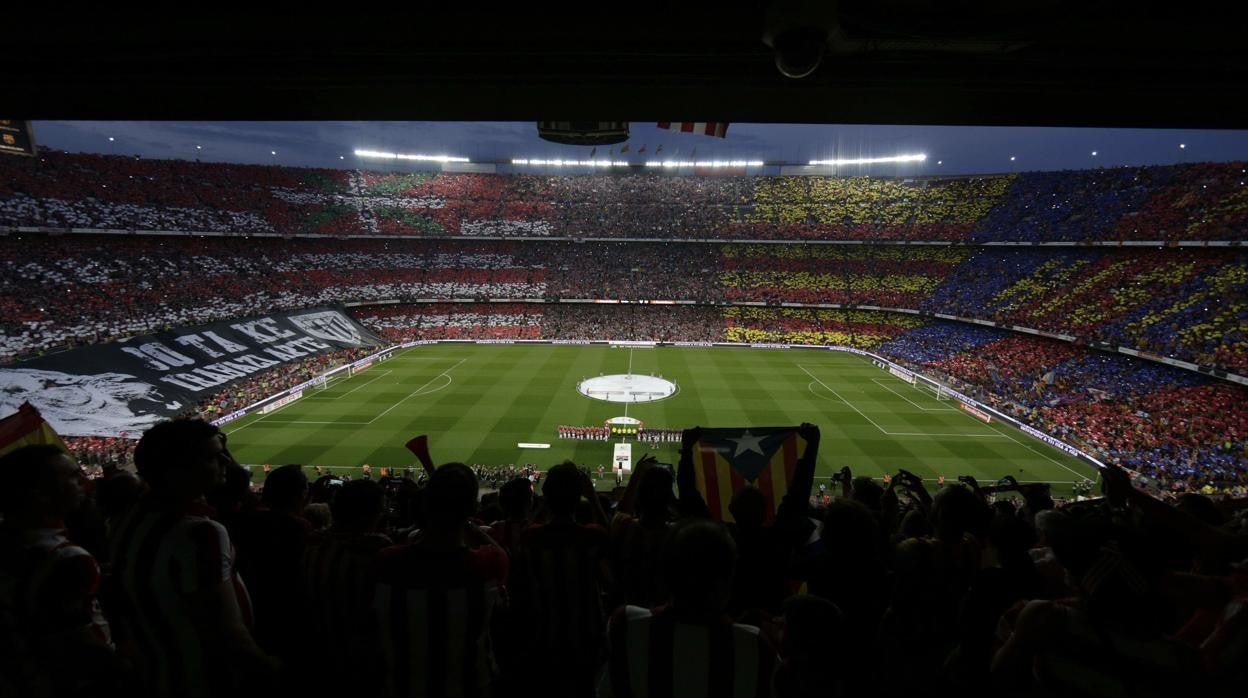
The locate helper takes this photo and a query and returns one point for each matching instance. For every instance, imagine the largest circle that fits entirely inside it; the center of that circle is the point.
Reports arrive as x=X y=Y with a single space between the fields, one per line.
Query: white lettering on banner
x=162 y=357
x=219 y=371
x=190 y=381
x=196 y=341
x=227 y=345
x=329 y=325
x=283 y=353
x=153 y=365
x=257 y=362
x=769 y=346
x=264 y=330
x=693 y=344
x=571 y=341
x=495 y=341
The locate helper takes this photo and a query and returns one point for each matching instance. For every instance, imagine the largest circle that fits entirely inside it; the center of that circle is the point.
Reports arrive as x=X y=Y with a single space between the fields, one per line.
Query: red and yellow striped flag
x=726 y=460
x=26 y=427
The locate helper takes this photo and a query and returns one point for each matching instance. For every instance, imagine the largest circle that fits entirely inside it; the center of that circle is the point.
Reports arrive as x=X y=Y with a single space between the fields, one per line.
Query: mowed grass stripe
x=502 y=394
x=335 y=432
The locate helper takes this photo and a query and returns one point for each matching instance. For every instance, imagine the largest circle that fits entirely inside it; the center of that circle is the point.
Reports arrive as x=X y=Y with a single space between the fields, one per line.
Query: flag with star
x=727 y=460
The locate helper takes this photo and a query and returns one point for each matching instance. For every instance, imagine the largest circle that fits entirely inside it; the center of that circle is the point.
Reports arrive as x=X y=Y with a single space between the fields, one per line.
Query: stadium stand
x=1136 y=593
x=1154 y=419
x=62 y=190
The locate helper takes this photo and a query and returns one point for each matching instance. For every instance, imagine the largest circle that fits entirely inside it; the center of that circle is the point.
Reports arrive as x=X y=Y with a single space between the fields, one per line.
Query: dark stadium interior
x=1102 y=311
x=1039 y=62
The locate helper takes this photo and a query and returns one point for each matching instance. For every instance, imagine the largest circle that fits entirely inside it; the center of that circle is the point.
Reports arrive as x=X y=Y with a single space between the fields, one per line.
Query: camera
x=798 y=32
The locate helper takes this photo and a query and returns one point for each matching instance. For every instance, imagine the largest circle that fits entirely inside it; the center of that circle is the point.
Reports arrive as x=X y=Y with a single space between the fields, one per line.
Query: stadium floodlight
x=570 y=163
x=405 y=156
x=704 y=163
x=917 y=157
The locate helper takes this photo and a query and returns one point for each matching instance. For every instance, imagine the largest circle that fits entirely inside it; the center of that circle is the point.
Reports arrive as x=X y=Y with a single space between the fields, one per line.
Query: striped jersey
x=338 y=581
x=1090 y=659
x=655 y=655
x=161 y=561
x=50 y=587
x=433 y=609
x=557 y=587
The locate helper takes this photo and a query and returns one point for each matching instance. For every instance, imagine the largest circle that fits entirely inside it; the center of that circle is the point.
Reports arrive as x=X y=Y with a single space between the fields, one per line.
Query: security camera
x=798 y=31
x=800 y=51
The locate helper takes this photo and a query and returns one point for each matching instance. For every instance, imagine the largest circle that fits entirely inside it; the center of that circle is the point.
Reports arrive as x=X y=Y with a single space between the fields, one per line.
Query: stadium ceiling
x=1020 y=62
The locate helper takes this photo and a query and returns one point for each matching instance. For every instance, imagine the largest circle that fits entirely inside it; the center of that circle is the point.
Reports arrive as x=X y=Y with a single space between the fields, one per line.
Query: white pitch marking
x=884 y=385
x=361 y=385
x=415 y=392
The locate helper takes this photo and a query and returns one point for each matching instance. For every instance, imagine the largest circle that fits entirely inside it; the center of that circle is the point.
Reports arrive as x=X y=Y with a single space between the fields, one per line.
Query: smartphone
x=334 y=482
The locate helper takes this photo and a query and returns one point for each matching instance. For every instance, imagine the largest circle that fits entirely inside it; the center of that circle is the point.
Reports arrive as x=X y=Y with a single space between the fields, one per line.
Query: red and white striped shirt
x=558 y=587
x=433 y=610
x=161 y=560
x=653 y=654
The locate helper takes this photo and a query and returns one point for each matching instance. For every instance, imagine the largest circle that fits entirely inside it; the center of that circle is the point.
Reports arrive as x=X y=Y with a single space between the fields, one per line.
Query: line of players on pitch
x=654 y=436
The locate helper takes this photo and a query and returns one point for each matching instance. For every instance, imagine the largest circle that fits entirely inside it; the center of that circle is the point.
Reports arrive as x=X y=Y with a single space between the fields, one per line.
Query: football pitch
x=478 y=402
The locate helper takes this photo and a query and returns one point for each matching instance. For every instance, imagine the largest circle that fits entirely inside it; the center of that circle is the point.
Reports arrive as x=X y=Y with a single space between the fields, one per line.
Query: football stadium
x=777 y=405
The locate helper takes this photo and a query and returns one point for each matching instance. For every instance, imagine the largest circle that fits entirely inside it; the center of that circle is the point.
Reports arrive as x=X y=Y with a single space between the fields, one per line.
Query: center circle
x=626 y=387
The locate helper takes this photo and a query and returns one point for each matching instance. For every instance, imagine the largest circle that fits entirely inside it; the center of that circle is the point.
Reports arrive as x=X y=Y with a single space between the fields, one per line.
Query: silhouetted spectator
x=185 y=612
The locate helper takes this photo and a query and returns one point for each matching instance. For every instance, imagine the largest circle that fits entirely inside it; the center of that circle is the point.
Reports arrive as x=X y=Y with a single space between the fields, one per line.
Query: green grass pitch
x=477 y=402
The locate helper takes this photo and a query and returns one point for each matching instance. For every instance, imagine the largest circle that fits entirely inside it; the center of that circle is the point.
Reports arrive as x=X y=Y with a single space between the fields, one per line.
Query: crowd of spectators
x=851 y=328
x=1183 y=303
x=1181 y=430
x=408 y=322
x=546 y=587
x=1074 y=206
x=253 y=389
x=1183 y=202
x=96 y=454
x=652 y=323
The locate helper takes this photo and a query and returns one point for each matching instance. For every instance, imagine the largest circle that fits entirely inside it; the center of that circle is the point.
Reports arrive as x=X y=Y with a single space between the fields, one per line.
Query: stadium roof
x=1029 y=62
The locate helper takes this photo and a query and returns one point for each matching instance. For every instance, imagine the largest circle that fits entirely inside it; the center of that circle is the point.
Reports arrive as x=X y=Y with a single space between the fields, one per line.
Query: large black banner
x=109 y=389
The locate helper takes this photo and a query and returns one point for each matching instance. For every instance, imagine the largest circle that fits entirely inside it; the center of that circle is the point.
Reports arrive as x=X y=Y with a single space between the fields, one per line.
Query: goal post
x=930 y=386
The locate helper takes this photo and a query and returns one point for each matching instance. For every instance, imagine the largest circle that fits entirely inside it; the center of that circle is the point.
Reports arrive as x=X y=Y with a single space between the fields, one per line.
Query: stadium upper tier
x=1202 y=202
x=1187 y=303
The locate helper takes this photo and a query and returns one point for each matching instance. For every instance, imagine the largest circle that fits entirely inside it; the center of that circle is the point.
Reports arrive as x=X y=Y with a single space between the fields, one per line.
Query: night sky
x=950 y=149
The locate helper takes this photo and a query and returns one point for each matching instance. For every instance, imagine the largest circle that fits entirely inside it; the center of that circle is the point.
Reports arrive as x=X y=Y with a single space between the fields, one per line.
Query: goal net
x=931 y=387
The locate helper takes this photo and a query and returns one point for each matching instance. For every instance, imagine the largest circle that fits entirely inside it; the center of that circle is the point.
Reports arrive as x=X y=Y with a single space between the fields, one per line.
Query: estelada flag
x=726 y=460
x=26 y=427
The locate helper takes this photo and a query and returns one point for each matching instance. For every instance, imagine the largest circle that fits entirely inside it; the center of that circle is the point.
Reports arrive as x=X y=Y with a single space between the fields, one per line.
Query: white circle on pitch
x=626 y=387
